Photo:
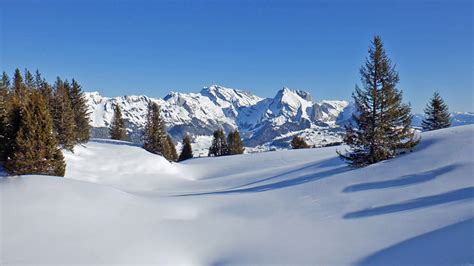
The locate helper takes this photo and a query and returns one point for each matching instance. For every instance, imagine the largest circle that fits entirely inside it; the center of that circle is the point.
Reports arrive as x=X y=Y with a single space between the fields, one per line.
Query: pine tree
x=81 y=114
x=234 y=143
x=170 y=150
x=36 y=150
x=382 y=121
x=299 y=143
x=63 y=116
x=436 y=114
x=117 y=127
x=29 y=80
x=17 y=96
x=19 y=89
x=187 y=150
x=4 y=121
x=219 y=144
x=154 y=139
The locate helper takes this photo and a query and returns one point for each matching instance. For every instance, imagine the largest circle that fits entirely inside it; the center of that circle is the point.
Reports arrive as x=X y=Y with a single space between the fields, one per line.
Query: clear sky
x=152 y=47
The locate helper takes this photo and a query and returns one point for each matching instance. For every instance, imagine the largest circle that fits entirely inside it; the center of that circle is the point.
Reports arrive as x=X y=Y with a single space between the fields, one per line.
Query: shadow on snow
x=423 y=202
x=402 y=181
x=450 y=245
x=284 y=183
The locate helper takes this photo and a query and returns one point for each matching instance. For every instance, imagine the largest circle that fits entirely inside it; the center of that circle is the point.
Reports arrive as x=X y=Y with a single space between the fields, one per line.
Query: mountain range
x=264 y=123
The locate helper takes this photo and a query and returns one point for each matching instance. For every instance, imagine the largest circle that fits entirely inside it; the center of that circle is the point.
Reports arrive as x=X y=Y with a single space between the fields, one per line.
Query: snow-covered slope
x=121 y=205
x=263 y=122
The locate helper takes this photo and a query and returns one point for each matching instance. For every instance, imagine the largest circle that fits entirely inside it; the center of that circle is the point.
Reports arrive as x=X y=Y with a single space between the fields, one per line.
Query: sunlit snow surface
x=120 y=204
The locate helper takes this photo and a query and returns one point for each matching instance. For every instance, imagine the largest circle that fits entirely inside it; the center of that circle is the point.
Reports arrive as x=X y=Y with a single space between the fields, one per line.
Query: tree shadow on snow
x=284 y=183
x=327 y=163
x=423 y=202
x=402 y=181
x=450 y=245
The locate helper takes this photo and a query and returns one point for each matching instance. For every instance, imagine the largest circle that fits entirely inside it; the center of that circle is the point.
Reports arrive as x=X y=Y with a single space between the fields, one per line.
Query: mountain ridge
x=264 y=123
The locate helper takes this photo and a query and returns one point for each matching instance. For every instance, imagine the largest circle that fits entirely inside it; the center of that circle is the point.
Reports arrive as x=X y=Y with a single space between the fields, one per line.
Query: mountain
x=457 y=119
x=264 y=123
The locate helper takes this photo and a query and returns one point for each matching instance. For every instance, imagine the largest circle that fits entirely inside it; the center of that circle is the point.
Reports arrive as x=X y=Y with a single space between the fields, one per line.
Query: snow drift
x=120 y=204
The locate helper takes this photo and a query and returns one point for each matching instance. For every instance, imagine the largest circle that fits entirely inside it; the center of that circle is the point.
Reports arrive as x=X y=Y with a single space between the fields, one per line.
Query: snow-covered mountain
x=263 y=122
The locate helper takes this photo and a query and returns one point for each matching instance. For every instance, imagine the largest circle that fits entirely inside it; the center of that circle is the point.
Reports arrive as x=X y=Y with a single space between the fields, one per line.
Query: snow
x=120 y=204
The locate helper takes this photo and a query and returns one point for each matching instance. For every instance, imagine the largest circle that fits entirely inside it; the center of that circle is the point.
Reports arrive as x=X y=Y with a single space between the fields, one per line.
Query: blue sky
x=152 y=47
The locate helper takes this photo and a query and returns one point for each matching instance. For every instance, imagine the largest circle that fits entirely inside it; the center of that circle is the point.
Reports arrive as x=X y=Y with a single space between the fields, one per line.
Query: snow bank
x=287 y=207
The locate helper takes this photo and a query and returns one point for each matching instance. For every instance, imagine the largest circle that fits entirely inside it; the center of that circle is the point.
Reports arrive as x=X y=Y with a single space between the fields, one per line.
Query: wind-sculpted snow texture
x=121 y=204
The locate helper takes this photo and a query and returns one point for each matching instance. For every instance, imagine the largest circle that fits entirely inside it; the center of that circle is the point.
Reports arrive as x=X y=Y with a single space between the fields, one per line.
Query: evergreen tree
x=219 y=144
x=436 y=114
x=5 y=81
x=234 y=143
x=117 y=127
x=16 y=97
x=187 y=150
x=81 y=114
x=299 y=143
x=19 y=90
x=154 y=139
x=36 y=150
x=4 y=121
x=38 y=82
x=170 y=150
x=63 y=116
x=382 y=120
x=29 y=80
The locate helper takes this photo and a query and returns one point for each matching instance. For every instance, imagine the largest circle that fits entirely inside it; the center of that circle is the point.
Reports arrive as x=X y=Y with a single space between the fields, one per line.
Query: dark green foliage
x=187 y=150
x=29 y=80
x=382 y=121
x=234 y=143
x=436 y=114
x=170 y=150
x=63 y=116
x=117 y=127
x=299 y=143
x=4 y=121
x=81 y=114
x=35 y=148
x=19 y=89
x=154 y=139
x=219 y=145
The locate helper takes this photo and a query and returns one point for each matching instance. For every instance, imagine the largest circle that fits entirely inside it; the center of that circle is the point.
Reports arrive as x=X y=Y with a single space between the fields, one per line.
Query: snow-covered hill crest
x=119 y=204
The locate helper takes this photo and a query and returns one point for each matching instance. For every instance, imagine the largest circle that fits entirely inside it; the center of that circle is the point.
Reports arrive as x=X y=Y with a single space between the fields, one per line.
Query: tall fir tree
x=29 y=80
x=154 y=139
x=234 y=143
x=16 y=97
x=299 y=143
x=63 y=116
x=36 y=150
x=19 y=89
x=436 y=114
x=382 y=121
x=219 y=145
x=187 y=150
x=4 y=121
x=117 y=127
x=81 y=114
x=170 y=150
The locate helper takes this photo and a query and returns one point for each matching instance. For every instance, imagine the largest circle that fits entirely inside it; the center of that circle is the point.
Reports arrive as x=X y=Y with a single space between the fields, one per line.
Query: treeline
x=37 y=120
